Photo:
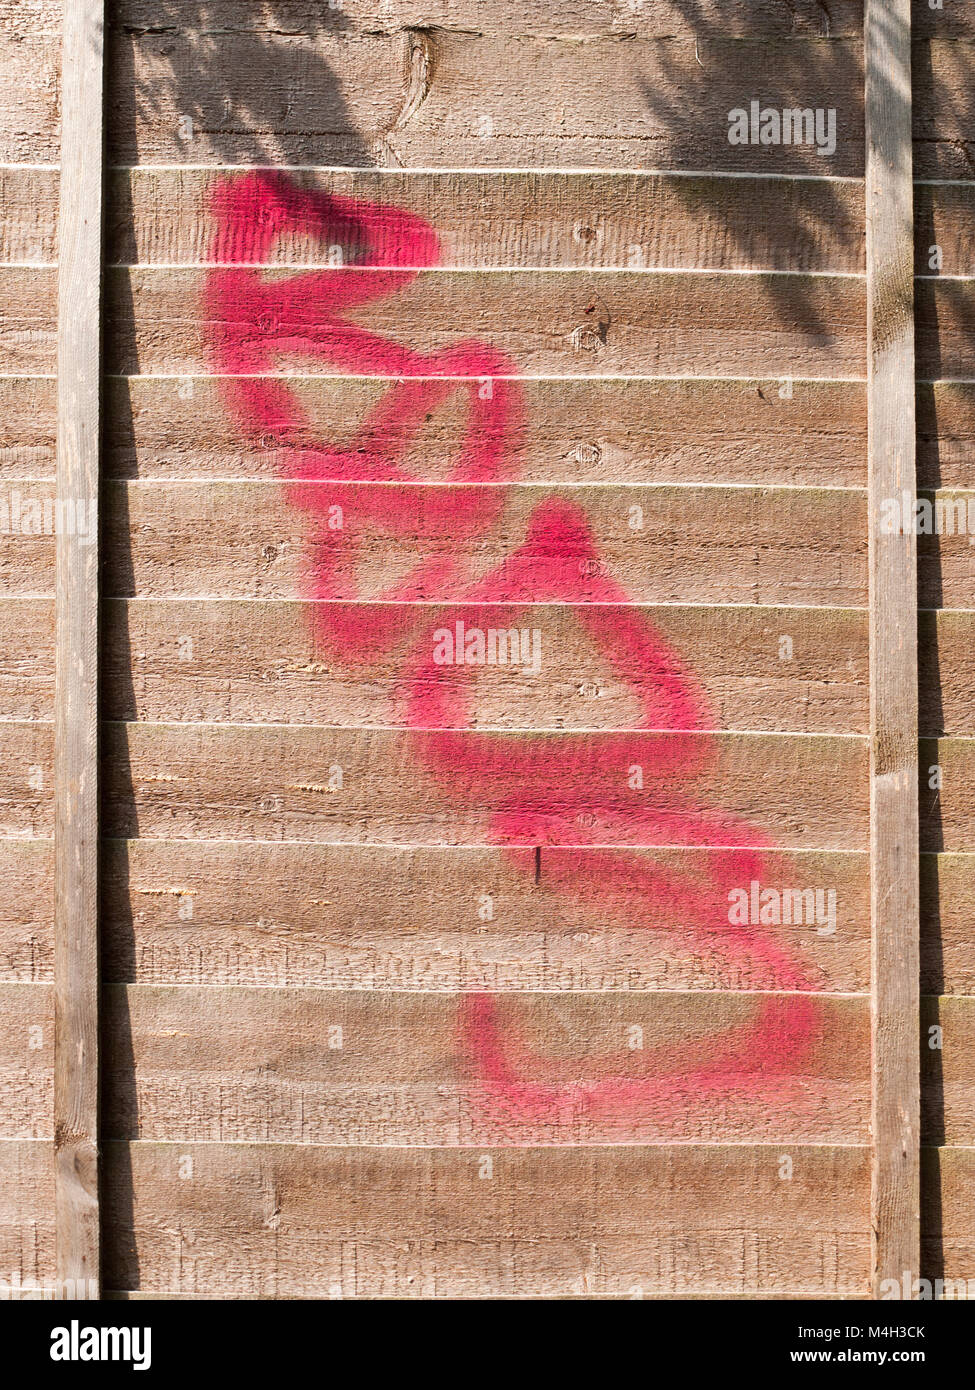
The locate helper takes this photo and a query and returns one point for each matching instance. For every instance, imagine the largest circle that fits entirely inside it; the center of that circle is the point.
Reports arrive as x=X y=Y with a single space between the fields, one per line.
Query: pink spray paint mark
x=254 y=322
x=569 y=791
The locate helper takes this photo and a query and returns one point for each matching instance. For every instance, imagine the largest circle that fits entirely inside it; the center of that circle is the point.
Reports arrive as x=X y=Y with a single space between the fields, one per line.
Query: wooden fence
x=460 y=818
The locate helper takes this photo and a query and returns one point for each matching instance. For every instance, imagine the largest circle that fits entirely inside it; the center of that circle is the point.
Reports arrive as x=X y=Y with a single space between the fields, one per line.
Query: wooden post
x=893 y=645
x=76 y=659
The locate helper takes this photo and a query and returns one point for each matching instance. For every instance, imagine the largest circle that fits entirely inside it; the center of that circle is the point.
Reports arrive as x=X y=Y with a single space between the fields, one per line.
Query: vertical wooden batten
x=76 y=660
x=893 y=645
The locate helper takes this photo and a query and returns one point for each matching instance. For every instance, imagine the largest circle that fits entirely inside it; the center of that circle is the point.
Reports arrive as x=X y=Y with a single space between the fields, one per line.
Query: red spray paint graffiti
x=532 y=789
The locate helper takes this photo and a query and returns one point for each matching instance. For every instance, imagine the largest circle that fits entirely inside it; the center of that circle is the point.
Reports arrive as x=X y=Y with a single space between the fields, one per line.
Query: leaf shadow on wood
x=694 y=102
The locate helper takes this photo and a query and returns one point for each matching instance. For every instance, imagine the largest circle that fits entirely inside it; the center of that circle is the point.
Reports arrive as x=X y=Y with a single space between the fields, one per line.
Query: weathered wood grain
x=430 y=919
x=947 y=1078
x=26 y=780
x=180 y=661
x=134 y=1296
x=28 y=323
x=160 y=216
x=30 y=60
x=27 y=544
x=709 y=545
x=241 y=1065
x=511 y=220
x=659 y=323
x=28 y=428
x=788 y=670
x=575 y=431
x=272 y=1221
x=672 y=96
x=271 y=783
x=420 y=98
x=403 y=917
x=945 y=312
x=29 y=198
x=947 y=905
x=407 y=918
x=435 y=919
x=895 y=1187
x=945 y=433
x=739 y=545
x=946 y=560
x=26 y=911
x=649 y=323
x=943 y=215
x=79 y=337
x=946 y=673
x=27 y=658
x=27 y=1063
x=947 y=807
x=670 y=324
x=584 y=431
x=237 y=87
x=947 y=1240
x=580 y=18
x=26 y=1216
x=943 y=104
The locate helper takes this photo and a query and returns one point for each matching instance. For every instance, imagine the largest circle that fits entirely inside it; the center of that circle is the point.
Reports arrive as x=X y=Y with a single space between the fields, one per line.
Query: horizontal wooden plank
x=782 y=670
x=269 y=1221
x=544 y=322
x=511 y=220
x=258 y=540
x=277 y=97
x=943 y=214
x=26 y=1217
x=29 y=518
x=339 y=96
x=944 y=311
x=573 y=431
x=948 y=22
x=506 y=219
x=771 y=432
x=944 y=104
x=124 y=1296
x=26 y=1062
x=797 y=670
x=253 y=539
x=946 y=560
x=183 y=912
x=945 y=433
x=375 y=917
x=947 y=1077
x=161 y=216
x=623 y=431
x=947 y=905
x=513 y=17
x=947 y=806
x=372 y=1067
x=272 y=782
